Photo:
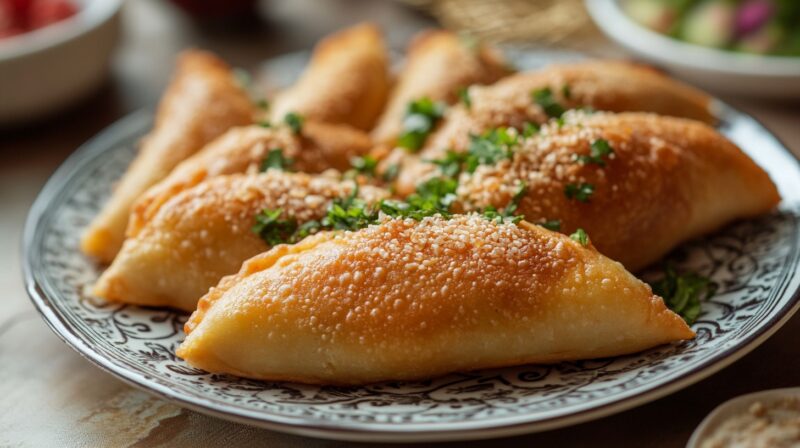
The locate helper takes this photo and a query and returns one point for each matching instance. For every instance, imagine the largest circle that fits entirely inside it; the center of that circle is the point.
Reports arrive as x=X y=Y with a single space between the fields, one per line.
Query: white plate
x=48 y=69
x=755 y=263
x=717 y=70
x=736 y=406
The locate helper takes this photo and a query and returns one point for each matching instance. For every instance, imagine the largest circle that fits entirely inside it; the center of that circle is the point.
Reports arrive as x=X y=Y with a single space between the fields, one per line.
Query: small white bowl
x=47 y=69
x=733 y=407
x=716 y=70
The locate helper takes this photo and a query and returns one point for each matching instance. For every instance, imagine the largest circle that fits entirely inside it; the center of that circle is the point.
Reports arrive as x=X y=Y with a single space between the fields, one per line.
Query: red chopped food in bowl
x=21 y=16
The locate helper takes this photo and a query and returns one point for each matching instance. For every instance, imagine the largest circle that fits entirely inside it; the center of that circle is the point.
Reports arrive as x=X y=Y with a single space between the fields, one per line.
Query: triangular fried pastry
x=604 y=85
x=660 y=182
x=202 y=101
x=438 y=63
x=316 y=148
x=406 y=300
x=536 y=96
x=204 y=233
x=346 y=81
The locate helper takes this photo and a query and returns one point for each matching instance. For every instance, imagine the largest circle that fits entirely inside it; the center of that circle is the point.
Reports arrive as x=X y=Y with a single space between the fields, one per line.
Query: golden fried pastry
x=650 y=182
x=346 y=81
x=204 y=233
x=600 y=85
x=438 y=64
x=201 y=102
x=317 y=148
x=406 y=300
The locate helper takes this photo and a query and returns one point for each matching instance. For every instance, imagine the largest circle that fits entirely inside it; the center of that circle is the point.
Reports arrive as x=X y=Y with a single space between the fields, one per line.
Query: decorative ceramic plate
x=755 y=264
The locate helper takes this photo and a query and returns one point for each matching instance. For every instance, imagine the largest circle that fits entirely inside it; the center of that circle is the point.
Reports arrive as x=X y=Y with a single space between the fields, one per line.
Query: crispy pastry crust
x=669 y=180
x=602 y=85
x=201 y=102
x=204 y=233
x=346 y=81
x=405 y=300
x=438 y=63
x=242 y=150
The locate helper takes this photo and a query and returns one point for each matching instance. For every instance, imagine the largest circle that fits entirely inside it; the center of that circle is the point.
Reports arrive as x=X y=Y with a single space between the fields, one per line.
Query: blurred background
x=55 y=53
x=69 y=68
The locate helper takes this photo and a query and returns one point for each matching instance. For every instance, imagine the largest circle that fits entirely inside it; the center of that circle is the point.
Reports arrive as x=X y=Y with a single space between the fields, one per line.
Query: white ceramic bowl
x=736 y=406
x=716 y=70
x=47 y=69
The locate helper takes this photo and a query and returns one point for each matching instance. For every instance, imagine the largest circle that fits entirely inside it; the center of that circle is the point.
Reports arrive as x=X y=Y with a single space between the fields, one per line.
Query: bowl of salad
x=52 y=53
x=736 y=47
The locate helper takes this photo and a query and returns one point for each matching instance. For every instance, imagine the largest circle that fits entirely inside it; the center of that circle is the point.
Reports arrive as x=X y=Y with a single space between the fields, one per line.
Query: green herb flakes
x=580 y=192
x=545 y=99
x=684 y=292
x=276 y=160
x=581 y=237
x=529 y=129
x=551 y=224
x=421 y=117
x=485 y=149
x=365 y=165
x=391 y=172
x=294 y=121
x=463 y=96
x=350 y=213
x=273 y=230
x=566 y=91
x=599 y=149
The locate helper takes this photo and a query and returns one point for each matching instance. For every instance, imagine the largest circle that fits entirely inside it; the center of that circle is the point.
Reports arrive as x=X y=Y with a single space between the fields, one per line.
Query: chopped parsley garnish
x=600 y=148
x=490 y=148
x=683 y=292
x=276 y=160
x=566 y=92
x=273 y=230
x=580 y=236
x=545 y=99
x=463 y=96
x=391 y=172
x=294 y=121
x=486 y=149
x=551 y=224
x=306 y=229
x=433 y=197
x=493 y=214
x=437 y=193
x=265 y=124
x=421 y=117
x=262 y=104
x=365 y=165
x=529 y=129
x=511 y=208
x=581 y=192
x=350 y=213
x=415 y=210
x=451 y=164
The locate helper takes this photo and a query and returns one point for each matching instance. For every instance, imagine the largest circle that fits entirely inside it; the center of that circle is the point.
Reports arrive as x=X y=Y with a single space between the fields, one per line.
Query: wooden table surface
x=50 y=396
